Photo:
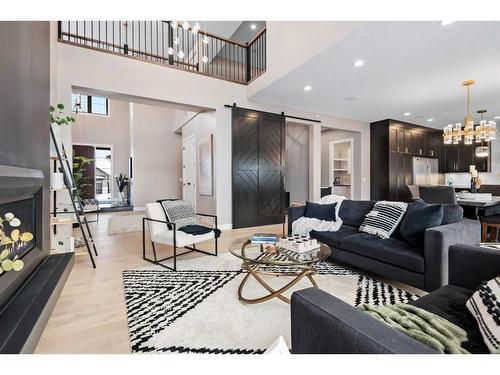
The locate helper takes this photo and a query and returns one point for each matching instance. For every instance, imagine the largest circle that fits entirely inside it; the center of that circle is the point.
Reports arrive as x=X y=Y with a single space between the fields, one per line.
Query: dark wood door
x=466 y=158
x=435 y=149
x=408 y=142
x=400 y=140
x=258 y=168
x=84 y=172
x=452 y=158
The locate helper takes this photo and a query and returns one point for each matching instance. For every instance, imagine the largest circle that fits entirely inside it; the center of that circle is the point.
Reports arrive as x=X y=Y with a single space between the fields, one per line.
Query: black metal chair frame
x=174 y=257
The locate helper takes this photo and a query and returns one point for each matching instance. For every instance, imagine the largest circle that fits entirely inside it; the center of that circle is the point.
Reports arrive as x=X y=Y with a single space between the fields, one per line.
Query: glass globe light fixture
x=174 y=24
x=205 y=59
x=185 y=25
x=482 y=151
x=170 y=51
x=195 y=28
x=180 y=54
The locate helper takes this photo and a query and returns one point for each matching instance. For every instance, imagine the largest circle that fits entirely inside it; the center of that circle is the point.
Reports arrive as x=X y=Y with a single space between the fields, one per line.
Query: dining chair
x=493 y=189
x=413 y=191
x=438 y=194
x=490 y=217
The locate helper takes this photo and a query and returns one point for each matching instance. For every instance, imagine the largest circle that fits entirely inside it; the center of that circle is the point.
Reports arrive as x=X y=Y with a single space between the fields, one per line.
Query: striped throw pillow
x=384 y=218
x=484 y=305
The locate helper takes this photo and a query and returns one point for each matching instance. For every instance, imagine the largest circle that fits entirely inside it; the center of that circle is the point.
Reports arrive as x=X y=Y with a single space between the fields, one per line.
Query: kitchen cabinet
x=393 y=144
x=460 y=157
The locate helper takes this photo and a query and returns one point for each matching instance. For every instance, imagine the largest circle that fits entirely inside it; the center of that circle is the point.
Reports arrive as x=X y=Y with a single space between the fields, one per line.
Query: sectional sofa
x=322 y=323
x=425 y=268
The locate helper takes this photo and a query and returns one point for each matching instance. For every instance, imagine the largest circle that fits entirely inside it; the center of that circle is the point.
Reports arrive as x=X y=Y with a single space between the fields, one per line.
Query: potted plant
x=79 y=164
x=122 y=181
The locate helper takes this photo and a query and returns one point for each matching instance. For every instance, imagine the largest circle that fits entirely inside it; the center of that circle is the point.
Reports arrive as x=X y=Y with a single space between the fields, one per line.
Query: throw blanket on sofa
x=430 y=329
x=304 y=224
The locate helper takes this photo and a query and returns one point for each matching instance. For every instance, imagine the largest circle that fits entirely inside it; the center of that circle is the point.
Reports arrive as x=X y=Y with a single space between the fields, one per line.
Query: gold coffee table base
x=253 y=270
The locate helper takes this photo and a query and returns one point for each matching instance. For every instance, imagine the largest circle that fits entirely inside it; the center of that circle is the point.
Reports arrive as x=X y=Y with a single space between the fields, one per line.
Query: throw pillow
x=418 y=217
x=321 y=211
x=384 y=218
x=484 y=305
x=180 y=212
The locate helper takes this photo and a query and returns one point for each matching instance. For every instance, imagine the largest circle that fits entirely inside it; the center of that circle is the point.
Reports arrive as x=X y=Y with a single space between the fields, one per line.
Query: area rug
x=196 y=309
x=125 y=224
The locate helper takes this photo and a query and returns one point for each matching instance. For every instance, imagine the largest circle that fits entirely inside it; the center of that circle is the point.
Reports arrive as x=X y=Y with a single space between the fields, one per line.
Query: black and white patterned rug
x=196 y=310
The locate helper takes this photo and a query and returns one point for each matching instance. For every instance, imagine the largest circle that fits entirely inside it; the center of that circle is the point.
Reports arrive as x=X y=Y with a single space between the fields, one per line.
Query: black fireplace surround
x=27 y=296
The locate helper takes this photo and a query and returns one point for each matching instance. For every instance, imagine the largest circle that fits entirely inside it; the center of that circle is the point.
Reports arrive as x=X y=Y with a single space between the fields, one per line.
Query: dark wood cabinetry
x=393 y=146
x=459 y=158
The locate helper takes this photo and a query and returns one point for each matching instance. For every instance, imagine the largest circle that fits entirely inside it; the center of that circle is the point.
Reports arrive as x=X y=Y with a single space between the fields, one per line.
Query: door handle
x=188 y=183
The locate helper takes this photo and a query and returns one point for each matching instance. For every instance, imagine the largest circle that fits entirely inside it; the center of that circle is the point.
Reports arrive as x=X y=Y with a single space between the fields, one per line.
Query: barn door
x=258 y=168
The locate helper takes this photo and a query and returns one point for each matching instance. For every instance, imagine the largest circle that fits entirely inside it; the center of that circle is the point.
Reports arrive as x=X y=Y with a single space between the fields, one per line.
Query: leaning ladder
x=76 y=201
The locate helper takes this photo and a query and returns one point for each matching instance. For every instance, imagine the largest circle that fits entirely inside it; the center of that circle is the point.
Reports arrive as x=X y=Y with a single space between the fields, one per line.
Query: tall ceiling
x=239 y=31
x=414 y=67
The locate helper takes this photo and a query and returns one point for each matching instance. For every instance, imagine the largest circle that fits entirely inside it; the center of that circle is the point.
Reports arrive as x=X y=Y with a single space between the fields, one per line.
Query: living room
x=202 y=188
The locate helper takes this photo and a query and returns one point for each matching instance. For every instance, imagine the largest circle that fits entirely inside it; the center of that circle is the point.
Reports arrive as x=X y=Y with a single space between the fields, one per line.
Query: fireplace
x=21 y=216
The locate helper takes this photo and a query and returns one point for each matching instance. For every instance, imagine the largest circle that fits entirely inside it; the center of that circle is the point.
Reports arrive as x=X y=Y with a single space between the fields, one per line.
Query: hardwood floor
x=90 y=315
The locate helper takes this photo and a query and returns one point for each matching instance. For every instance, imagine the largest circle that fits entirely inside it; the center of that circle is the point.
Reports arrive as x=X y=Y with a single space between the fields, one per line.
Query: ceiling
x=414 y=67
x=239 y=31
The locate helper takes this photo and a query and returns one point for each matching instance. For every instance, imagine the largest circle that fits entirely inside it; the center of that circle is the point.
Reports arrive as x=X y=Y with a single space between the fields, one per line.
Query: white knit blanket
x=304 y=224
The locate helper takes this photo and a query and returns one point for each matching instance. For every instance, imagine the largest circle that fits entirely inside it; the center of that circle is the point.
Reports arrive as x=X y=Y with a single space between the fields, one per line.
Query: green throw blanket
x=428 y=328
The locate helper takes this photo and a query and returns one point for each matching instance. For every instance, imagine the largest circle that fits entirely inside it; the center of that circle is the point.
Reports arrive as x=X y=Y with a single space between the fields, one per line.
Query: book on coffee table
x=264 y=238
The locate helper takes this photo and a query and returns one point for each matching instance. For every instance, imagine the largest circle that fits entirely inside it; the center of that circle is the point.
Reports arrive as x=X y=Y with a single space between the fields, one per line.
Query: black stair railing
x=159 y=42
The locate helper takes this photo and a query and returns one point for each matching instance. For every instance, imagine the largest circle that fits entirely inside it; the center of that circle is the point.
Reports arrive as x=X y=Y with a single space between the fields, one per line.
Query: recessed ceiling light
x=358 y=63
x=430 y=119
x=307 y=88
x=407 y=114
x=497 y=117
x=446 y=22
x=253 y=26
x=317 y=116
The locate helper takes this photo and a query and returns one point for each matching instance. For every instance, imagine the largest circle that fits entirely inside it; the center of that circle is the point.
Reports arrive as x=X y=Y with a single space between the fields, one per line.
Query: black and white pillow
x=484 y=305
x=384 y=218
x=180 y=212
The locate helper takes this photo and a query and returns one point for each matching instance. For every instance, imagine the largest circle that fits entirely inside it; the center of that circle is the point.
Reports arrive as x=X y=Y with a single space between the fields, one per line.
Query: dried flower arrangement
x=9 y=256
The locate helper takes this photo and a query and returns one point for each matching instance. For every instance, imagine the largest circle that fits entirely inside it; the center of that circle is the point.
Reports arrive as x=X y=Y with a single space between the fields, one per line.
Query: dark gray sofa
x=393 y=258
x=322 y=323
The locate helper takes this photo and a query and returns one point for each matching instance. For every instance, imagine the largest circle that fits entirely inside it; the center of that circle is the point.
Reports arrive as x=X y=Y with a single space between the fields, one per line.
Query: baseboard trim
x=228 y=226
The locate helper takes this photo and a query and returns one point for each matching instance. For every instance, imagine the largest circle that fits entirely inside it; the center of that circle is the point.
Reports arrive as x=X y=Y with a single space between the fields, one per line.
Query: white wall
x=291 y=43
x=202 y=125
x=157 y=155
x=101 y=71
x=110 y=130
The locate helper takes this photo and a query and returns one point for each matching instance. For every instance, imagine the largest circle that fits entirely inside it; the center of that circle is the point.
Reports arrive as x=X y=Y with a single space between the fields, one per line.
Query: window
x=96 y=105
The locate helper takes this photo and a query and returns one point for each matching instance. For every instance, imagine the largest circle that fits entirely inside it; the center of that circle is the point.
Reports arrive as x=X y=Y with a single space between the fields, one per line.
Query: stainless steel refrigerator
x=425 y=171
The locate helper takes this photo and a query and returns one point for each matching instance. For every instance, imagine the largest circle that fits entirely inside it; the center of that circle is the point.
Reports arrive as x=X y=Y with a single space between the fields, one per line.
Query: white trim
x=184 y=141
x=139 y=209
x=228 y=226
x=350 y=163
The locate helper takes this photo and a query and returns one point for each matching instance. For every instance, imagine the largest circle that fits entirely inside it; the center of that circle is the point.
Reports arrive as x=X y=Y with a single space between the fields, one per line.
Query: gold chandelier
x=485 y=131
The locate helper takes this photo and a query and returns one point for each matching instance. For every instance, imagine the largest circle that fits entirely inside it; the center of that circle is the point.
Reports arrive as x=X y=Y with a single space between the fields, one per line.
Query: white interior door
x=189 y=170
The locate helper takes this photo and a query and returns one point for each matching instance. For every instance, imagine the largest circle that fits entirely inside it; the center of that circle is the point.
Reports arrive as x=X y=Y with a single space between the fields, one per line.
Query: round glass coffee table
x=258 y=261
